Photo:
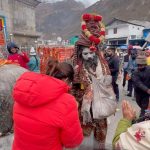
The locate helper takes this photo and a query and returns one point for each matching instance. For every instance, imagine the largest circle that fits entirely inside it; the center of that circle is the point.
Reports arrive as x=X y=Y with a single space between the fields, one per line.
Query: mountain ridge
x=53 y=18
x=109 y=9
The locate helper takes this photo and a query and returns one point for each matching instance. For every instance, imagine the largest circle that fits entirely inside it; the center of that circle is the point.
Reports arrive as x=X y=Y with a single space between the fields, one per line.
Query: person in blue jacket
x=131 y=68
x=34 y=63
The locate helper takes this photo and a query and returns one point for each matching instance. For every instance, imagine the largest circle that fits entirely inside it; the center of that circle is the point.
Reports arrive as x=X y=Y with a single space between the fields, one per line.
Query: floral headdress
x=93 y=29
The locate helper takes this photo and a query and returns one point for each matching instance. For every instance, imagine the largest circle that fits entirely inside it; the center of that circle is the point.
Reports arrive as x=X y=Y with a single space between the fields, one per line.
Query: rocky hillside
x=109 y=9
x=123 y=9
x=54 y=19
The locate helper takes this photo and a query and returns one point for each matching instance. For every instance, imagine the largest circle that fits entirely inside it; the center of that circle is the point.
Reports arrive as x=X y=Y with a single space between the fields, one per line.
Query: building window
x=133 y=36
x=115 y=30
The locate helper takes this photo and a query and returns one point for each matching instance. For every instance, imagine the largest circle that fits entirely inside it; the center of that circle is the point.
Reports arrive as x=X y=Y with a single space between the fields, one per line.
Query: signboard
x=2 y=38
x=2 y=32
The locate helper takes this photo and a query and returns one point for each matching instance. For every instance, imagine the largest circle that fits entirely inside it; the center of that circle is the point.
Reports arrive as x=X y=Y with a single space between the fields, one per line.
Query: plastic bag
x=104 y=103
x=8 y=76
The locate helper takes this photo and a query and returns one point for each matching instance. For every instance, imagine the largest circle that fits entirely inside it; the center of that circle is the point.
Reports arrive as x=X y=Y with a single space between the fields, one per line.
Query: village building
x=120 y=32
x=17 y=21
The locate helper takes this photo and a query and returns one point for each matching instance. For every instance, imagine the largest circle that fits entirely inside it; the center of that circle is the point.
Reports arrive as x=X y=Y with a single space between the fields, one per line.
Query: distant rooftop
x=33 y=3
x=145 y=24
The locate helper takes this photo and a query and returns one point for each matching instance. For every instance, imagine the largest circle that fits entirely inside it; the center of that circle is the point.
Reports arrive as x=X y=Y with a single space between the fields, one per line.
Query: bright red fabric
x=22 y=60
x=45 y=115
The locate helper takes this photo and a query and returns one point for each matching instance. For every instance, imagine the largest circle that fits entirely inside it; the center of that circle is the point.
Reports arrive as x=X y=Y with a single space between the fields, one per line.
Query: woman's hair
x=60 y=70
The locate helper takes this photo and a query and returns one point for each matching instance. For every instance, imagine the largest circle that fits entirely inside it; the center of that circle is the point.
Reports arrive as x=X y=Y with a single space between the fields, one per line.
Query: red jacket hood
x=33 y=89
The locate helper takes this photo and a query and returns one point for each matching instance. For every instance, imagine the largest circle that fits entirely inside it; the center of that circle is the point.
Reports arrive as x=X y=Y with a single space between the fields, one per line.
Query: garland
x=95 y=40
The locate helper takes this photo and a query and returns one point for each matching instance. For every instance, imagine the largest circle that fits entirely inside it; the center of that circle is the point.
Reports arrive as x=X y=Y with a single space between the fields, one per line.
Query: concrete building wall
x=125 y=30
x=136 y=30
x=5 y=10
x=24 y=17
x=122 y=31
x=20 y=20
x=25 y=41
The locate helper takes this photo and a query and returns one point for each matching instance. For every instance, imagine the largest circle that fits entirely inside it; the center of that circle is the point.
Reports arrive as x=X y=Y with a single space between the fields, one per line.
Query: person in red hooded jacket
x=15 y=55
x=45 y=114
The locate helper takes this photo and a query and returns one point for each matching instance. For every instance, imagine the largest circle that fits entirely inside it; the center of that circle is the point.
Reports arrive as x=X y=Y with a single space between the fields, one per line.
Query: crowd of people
x=71 y=102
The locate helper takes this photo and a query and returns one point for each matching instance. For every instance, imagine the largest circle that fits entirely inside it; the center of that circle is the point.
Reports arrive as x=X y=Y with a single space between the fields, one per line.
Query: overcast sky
x=86 y=2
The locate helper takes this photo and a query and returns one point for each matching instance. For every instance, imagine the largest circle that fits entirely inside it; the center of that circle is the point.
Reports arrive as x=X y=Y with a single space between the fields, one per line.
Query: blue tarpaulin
x=123 y=47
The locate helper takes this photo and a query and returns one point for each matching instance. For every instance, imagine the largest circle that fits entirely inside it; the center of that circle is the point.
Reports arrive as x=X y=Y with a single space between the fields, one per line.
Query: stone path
x=6 y=142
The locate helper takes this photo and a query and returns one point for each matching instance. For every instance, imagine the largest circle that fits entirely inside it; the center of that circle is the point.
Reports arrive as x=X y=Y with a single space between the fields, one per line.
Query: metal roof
x=33 y=3
x=134 y=22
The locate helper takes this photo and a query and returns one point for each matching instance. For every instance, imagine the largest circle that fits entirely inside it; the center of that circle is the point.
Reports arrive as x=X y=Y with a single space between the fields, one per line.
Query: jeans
x=130 y=86
x=142 y=113
x=124 y=78
x=115 y=87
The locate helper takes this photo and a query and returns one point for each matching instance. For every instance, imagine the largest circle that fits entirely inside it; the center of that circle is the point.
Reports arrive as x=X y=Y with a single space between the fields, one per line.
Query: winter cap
x=10 y=46
x=32 y=51
x=130 y=47
x=141 y=60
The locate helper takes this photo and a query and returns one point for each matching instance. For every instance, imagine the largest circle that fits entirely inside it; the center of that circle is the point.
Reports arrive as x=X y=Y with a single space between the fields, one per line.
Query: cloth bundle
x=103 y=103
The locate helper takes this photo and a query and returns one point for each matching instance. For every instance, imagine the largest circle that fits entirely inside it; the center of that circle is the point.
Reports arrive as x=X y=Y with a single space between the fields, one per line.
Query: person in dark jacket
x=125 y=64
x=141 y=81
x=113 y=63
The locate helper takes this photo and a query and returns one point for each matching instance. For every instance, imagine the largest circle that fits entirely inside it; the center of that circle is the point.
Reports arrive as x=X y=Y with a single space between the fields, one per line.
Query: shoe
x=129 y=95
